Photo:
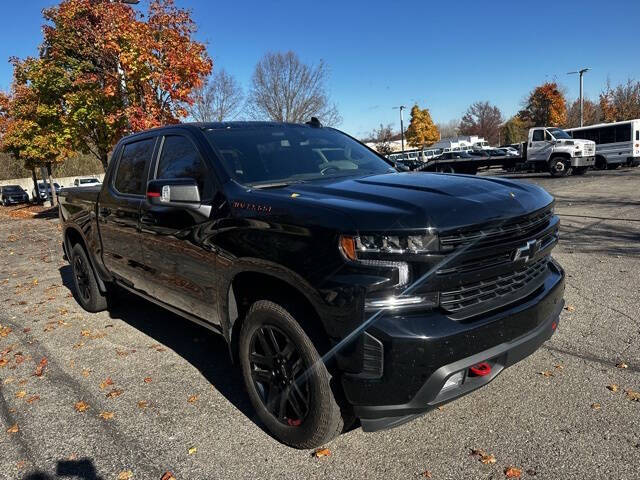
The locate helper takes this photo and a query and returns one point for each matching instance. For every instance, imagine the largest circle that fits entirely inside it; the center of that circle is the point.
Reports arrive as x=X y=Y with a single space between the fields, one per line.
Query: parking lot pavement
x=137 y=391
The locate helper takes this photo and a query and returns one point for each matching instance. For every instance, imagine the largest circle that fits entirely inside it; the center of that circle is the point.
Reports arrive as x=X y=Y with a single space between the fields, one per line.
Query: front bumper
x=16 y=201
x=583 y=161
x=422 y=351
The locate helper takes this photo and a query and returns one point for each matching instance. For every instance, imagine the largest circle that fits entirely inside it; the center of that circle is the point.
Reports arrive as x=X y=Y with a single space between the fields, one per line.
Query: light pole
x=401 y=107
x=581 y=72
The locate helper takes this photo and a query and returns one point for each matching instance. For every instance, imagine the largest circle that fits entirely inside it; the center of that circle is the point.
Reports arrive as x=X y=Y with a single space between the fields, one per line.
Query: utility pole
x=581 y=72
x=401 y=107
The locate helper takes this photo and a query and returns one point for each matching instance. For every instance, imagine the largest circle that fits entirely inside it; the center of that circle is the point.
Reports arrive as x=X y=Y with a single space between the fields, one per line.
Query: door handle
x=148 y=220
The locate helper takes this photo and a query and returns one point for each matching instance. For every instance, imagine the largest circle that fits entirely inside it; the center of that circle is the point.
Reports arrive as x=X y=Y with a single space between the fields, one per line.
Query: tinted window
x=623 y=133
x=637 y=134
x=282 y=153
x=180 y=159
x=608 y=135
x=538 y=136
x=130 y=175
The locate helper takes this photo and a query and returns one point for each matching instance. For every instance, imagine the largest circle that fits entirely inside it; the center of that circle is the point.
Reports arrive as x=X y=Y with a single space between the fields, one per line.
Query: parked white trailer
x=617 y=143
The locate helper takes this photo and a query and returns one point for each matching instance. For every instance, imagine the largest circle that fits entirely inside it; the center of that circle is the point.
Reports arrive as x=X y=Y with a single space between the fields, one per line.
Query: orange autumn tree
x=124 y=71
x=545 y=106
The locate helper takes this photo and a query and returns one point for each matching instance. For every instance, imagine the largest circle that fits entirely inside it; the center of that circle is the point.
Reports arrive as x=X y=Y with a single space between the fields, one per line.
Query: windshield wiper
x=264 y=186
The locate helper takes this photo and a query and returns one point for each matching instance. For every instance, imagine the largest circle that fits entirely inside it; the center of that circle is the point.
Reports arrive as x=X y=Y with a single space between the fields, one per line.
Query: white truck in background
x=554 y=150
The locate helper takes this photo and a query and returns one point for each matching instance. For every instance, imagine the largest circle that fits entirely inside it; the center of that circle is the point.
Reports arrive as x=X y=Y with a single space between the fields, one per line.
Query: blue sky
x=443 y=55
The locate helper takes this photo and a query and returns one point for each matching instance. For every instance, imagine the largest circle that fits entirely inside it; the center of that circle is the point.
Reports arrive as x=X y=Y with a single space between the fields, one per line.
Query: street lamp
x=401 y=107
x=581 y=72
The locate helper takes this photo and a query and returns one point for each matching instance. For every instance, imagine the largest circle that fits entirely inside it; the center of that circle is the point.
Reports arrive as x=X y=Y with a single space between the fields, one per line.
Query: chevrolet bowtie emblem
x=512 y=195
x=527 y=252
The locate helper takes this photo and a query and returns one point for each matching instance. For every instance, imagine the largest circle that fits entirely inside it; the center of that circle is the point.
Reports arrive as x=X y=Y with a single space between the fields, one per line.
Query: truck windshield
x=558 y=133
x=265 y=154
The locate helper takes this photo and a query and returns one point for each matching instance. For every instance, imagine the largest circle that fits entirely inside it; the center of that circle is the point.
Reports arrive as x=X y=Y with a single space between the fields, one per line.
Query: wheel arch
x=279 y=287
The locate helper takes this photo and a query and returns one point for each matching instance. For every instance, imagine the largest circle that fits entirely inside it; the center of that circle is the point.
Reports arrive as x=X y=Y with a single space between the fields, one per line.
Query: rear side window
x=538 y=136
x=130 y=175
x=623 y=133
x=180 y=159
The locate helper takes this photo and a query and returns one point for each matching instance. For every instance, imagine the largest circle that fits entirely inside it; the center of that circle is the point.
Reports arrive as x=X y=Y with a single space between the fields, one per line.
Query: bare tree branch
x=220 y=99
x=286 y=90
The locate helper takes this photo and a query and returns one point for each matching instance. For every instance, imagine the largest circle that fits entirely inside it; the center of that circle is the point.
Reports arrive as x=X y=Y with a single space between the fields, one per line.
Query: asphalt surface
x=176 y=403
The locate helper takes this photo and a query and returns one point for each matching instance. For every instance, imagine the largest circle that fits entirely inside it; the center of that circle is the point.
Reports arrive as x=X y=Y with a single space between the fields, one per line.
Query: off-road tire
x=324 y=420
x=86 y=291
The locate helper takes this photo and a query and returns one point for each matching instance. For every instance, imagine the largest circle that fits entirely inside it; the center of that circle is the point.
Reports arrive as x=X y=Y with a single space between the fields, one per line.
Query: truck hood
x=411 y=200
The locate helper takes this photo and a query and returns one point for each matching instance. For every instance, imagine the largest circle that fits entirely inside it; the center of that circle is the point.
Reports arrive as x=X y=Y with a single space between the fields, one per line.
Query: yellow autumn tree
x=545 y=106
x=422 y=131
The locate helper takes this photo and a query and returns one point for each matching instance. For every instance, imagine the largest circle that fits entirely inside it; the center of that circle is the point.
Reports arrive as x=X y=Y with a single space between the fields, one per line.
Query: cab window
x=179 y=158
x=538 y=136
x=130 y=176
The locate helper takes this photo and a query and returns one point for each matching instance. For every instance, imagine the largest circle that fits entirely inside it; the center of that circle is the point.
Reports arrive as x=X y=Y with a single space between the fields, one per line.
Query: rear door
x=119 y=210
x=180 y=259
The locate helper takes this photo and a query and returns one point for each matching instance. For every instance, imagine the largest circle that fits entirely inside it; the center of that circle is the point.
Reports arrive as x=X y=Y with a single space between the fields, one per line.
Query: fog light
x=453 y=381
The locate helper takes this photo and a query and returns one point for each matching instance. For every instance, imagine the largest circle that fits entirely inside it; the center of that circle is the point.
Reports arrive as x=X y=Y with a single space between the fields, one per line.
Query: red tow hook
x=480 y=369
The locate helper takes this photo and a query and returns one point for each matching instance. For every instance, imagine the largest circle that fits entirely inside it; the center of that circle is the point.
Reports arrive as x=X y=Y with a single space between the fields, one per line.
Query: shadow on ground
x=83 y=469
x=205 y=350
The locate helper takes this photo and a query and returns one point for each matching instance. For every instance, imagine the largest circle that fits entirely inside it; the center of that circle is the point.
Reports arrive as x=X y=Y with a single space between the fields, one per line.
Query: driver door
x=539 y=146
x=180 y=263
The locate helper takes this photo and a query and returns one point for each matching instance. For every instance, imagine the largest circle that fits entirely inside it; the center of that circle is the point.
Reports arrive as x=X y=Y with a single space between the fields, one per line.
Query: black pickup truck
x=344 y=288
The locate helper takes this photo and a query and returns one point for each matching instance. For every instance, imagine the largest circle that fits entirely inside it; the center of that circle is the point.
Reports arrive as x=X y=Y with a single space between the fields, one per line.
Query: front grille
x=473 y=296
x=509 y=231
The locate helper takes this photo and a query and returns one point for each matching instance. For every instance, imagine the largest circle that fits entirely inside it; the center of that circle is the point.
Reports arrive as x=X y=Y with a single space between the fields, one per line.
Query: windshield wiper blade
x=263 y=186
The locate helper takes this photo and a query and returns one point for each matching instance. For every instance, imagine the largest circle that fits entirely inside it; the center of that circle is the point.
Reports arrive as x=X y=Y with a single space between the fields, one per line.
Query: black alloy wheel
x=278 y=373
x=86 y=292
x=81 y=272
x=286 y=378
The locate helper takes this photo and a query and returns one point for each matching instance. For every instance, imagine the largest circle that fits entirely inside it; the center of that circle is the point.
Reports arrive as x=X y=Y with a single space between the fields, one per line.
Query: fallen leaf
x=81 y=406
x=114 y=393
x=106 y=415
x=558 y=367
x=322 y=452
x=85 y=372
x=85 y=333
x=33 y=398
x=546 y=373
x=596 y=406
x=622 y=365
x=613 y=387
x=21 y=394
x=426 y=474
x=147 y=380
x=193 y=450
x=105 y=383
x=633 y=396
x=8 y=380
x=570 y=308
x=192 y=399
x=441 y=408
x=13 y=429
x=477 y=451
x=487 y=459
x=3 y=362
x=26 y=330
x=41 y=366
x=512 y=472
x=143 y=404
x=168 y=476
x=125 y=475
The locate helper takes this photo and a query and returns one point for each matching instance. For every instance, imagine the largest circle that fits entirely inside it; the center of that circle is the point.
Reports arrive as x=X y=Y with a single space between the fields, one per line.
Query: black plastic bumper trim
x=381 y=417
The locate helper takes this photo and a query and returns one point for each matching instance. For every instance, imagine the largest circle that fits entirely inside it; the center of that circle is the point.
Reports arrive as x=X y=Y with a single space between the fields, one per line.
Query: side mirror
x=175 y=192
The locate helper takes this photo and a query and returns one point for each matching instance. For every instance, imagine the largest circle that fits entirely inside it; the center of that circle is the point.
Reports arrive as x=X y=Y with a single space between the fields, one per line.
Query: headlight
x=359 y=247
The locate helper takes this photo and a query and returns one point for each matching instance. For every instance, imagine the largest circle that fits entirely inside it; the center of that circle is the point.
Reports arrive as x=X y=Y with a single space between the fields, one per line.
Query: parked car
x=13 y=194
x=45 y=190
x=344 y=288
x=86 y=182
